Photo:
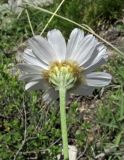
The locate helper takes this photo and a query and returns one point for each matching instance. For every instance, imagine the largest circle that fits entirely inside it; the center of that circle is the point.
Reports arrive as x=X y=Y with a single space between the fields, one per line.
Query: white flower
x=49 y=61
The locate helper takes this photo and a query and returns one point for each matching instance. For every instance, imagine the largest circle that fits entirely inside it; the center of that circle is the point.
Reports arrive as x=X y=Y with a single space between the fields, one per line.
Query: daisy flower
x=53 y=66
x=49 y=61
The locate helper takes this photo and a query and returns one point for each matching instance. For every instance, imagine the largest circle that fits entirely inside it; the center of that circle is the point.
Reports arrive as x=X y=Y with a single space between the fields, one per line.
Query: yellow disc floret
x=65 y=74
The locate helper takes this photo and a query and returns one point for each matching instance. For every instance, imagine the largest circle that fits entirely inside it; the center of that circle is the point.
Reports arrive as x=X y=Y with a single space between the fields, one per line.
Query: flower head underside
x=65 y=73
x=49 y=63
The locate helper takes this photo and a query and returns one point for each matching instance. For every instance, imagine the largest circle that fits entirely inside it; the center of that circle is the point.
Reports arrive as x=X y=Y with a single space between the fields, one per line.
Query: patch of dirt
x=115 y=35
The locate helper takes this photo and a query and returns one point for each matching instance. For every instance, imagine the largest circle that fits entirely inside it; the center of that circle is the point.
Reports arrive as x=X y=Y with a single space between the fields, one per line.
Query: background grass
x=95 y=124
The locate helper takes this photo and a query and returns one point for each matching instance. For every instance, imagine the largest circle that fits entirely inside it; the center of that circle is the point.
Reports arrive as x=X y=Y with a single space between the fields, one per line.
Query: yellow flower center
x=65 y=74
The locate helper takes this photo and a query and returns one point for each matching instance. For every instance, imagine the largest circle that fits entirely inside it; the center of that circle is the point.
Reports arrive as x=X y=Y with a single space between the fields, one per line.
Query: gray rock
x=17 y=5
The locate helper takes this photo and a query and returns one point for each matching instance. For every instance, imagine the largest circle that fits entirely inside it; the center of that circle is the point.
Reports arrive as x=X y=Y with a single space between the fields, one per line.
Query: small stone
x=72 y=153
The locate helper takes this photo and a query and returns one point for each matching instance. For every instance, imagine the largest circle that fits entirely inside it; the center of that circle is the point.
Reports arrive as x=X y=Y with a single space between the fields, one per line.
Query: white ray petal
x=86 y=49
x=92 y=57
x=31 y=85
x=98 y=79
x=100 y=59
x=30 y=77
x=42 y=49
x=50 y=95
x=36 y=85
x=84 y=90
x=30 y=68
x=57 y=41
x=30 y=58
x=75 y=38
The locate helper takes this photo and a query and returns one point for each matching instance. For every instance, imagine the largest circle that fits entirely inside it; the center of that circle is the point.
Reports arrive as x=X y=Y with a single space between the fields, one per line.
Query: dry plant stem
x=62 y=95
x=83 y=26
x=52 y=16
x=29 y=21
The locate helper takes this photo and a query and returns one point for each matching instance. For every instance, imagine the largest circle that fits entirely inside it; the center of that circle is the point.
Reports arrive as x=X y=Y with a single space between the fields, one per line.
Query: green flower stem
x=62 y=94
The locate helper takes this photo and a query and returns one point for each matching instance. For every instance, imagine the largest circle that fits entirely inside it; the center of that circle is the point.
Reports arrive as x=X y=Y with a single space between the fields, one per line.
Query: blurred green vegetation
x=103 y=12
x=97 y=130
